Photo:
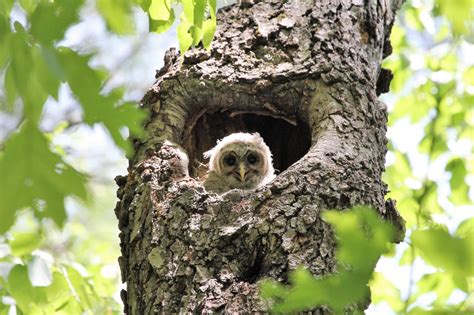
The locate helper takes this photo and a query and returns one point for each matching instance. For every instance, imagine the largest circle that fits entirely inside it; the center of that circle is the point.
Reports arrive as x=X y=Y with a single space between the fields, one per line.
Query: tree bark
x=305 y=74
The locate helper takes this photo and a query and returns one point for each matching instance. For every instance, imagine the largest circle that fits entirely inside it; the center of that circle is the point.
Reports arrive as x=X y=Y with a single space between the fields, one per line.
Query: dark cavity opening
x=288 y=140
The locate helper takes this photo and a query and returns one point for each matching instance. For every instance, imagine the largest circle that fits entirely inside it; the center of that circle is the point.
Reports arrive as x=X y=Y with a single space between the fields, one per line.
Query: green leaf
x=50 y=20
x=412 y=17
x=468 y=77
x=29 y=5
x=28 y=185
x=458 y=14
x=407 y=257
x=459 y=188
x=440 y=249
x=5 y=34
x=117 y=15
x=144 y=4
x=22 y=79
x=85 y=292
x=24 y=243
x=98 y=108
x=26 y=296
x=185 y=39
x=38 y=300
x=160 y=10
x=209 y=26
x=416 y=105
x=58 y=293
x=382 y=290
x=466 y=229
x=440 y=283
x=194 y=26
x=199 y=12
x=198 y=15
x=160 y=26
x=5 y=7
x=362 y=237
x=434 y=144
x=188 y=10
x=21 y=62
x=11 y=93
x=428 y=199
x=48 y=71
x=400 y=66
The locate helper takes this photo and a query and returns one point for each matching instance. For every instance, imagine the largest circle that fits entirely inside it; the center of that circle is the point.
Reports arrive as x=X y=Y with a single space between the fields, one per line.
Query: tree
x=65 y=266
x=304 y=75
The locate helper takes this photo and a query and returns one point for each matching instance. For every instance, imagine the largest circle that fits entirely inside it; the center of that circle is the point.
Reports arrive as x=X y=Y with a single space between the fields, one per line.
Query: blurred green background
x=60 y=150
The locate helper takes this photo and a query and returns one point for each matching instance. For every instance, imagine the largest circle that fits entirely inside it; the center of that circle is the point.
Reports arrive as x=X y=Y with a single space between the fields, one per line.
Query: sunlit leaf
x=144 y=4
x=185 y=39
x=428 y=198
x=27 y=185
x=5 y=35
x=362 y=237
x=38 y=300
x=439 y=248
x=50 y=20
x=21 y=65
x=412 y=16
x=5 y=7
x=98 y=108
x=29 y=5
x=398 y=37
x=24 y=243
x=160 y=10
x=468 y=77
x=117 y=15
x=11 y=93
x=458 y=13
x=209 y=26
x=160 y=26
x=466 y=229
x=382 y=290
x=440 y=283
x=48 y=71
x=19 y=286
x=188 y=10
x=459 y=188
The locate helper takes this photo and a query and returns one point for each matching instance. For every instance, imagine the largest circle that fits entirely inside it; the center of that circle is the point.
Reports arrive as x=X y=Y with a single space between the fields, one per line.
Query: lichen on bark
x=305 y=74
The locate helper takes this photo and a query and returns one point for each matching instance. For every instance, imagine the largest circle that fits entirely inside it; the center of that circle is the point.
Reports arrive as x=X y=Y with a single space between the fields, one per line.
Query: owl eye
x=252 y=159
x=230 y=160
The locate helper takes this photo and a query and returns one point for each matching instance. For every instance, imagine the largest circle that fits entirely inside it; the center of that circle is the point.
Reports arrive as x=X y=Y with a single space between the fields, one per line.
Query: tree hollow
x=288 y=140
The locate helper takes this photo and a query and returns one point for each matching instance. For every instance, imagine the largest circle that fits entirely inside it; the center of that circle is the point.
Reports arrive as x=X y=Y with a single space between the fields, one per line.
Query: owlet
x=239 y=160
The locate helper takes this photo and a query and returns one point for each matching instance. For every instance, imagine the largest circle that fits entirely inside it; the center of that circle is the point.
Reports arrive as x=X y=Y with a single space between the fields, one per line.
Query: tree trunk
x=305 y=75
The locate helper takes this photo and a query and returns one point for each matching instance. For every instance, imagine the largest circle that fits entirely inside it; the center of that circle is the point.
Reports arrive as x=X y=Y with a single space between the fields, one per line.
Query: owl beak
x=242 y=171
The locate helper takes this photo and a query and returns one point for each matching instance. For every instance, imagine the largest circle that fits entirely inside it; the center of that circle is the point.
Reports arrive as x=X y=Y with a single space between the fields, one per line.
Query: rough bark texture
x=305 y=74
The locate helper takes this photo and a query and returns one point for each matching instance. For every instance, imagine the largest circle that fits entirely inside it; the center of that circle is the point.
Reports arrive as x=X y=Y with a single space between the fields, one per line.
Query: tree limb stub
x=304 y=74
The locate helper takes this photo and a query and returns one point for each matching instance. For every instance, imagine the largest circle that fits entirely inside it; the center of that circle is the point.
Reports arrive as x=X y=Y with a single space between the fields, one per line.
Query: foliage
x=433 y=86
x=194 y=26
x=361 y=238
x=36 y=174
x=37 y=276
x=35 y=65
x=45 y=268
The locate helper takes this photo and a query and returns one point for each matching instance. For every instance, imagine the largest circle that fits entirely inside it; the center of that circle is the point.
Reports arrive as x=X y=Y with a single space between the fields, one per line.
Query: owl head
x=242 y=160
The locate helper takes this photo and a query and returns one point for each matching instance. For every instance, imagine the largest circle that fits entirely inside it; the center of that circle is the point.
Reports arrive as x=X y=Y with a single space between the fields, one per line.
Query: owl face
x=242 y=160
x=242 y=165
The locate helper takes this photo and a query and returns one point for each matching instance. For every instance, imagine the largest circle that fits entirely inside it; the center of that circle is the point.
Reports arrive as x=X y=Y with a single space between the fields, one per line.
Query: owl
x=239 y=160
